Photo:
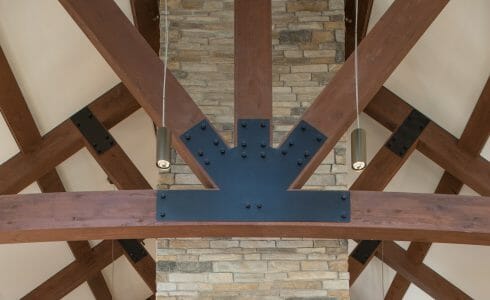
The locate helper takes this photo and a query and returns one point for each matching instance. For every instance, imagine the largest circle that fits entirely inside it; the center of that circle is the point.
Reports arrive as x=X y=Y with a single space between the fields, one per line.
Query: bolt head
x=207 y=162
x=162 y=215
x=216 y=142
x=307 y=153
x=244 y=144
x=284 y=151
x=300 y=162
x=291 y=143
x=263 y=144
x=248 y=206
x=262 y=124
x=200 y=153
x=243 y=124
x=222 y=151
x=319 y=139
x=259 y=206
x=244 y=154
x=203 y=125
x=163 y=196
x=187 y=136
x=262 y=154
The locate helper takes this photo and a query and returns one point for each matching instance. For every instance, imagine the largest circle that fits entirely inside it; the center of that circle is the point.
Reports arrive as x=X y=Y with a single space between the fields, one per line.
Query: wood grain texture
x=25 y=132
x=140 y=69
x=425 y=278
x=379 y=54
x=472 y=140
x=146 y=16
x=435 y=143
x=364 y=14
x=76 y=273
x=253 y=59
x=131 y=214
x=62 y=142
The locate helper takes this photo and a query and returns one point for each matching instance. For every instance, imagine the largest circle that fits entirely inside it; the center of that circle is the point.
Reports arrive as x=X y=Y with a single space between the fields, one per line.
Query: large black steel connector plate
x=93 y=131
x=253 y=179
x=407 y=133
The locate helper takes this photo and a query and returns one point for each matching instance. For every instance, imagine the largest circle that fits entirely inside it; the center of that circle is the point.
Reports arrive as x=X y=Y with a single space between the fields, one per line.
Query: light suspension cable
x=358 y=135
x=163 y=151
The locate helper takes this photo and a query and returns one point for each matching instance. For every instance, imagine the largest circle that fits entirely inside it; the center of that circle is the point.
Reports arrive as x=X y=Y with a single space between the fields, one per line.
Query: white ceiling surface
x=59 y=72
x=442 y=76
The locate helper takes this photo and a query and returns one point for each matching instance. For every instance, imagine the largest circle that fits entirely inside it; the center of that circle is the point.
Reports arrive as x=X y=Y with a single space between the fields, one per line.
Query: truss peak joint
x=408 y=133
x=253 y=178
x=97 y=136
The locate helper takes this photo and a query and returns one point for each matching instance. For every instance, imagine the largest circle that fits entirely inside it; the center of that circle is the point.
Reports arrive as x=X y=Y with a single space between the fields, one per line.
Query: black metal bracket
x=407 y=133
x=364 y=250
x=93 y=131
x=134 y=249
x=253 y=179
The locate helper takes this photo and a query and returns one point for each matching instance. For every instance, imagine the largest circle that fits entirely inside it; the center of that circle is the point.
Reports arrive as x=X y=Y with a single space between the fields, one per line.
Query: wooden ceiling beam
x=379 y=54
x=364 y=14
x=25 y=132
x=424 y=277
x=146 y=16
x=140 y=69
x=77 y=272
x=435 y=143
x=131 y=214
x=253 y=59
x=125 y=176
x=62 y=142
x=473 y=139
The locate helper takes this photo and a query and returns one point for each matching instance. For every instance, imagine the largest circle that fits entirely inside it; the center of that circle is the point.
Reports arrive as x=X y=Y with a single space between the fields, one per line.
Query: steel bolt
x=216 y=142
x=200 y=153
x=163 y=196
x=187 y=136
x=343 y=197
x=207 y=162
x=319 y=138
x=284 y=151
x=291 y=143
x=259 y=206
x=244 y=154
x=244 y=144
x=300 y=162
x=307 y=153
x=162 y=215
x=222 y=150
x=244 y=124
x=203 y=125
x=262 y=124
x=248 y=206
x=262 y=154
x=263 y=144
x=303 y=127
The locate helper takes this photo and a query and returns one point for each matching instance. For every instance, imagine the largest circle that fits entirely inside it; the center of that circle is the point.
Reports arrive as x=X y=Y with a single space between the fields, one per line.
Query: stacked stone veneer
x=308 y=47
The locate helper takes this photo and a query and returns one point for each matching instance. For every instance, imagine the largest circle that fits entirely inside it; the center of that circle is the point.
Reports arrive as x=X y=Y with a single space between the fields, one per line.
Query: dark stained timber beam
x=62 y=142
x=125 y=176
x=435 y=143
x=424 y=277
x=23 y=127
x=140 y=69
x=131 y=214
x=379 y=54
x=77 y=272
x=364 y=12
x=473 y=139
x=146 y=17
x=253 y=59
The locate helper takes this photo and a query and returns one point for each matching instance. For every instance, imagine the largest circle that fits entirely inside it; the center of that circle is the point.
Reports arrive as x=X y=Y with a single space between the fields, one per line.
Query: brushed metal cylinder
x=358 y=149
x=164 y=141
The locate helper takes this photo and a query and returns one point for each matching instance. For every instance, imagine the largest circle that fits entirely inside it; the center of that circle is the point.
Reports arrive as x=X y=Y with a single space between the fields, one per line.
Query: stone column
x=308 y=47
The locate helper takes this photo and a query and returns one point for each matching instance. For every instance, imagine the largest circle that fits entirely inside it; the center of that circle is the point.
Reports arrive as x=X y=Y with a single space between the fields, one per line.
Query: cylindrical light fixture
x=164 y=140
x=358 y=149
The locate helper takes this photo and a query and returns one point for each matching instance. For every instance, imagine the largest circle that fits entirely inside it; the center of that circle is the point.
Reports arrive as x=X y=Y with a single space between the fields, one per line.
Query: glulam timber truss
x=130 y=214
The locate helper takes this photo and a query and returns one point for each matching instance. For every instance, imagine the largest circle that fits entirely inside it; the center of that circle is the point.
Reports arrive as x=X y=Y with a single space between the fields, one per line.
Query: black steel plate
x=134 y=249
x=364 y=250
x=253 y=179
x=93 y=131
x=407 y=133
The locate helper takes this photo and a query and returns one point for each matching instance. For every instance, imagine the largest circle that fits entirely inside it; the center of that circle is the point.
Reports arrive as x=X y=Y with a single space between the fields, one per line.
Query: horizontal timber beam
x=131 y=214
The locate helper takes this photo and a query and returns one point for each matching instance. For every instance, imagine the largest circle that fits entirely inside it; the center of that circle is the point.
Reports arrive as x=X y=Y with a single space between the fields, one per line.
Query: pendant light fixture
x=358 y=135
x=163 y=135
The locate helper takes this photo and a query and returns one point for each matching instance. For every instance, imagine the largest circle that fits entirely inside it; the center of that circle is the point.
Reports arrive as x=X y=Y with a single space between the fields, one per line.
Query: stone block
x=240 y=266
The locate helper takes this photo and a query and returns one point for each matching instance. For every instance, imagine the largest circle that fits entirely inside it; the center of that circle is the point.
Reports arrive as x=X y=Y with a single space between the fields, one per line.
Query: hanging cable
x=382 y=270
x=163 y=151
x=358 y=135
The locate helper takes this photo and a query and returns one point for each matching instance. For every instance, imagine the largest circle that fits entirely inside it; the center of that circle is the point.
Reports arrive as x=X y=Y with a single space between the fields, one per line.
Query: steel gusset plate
x=253 y=179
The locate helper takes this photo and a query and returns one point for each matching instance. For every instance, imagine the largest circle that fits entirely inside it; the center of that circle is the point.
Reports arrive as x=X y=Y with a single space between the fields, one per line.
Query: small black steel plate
x=253 y=179
x=134 y=249
x=93 y=131
x=364 y=250
x=407 y=133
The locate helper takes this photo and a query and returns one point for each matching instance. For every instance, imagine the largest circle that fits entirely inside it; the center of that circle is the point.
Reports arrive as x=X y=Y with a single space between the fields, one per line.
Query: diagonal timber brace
x=253 y=178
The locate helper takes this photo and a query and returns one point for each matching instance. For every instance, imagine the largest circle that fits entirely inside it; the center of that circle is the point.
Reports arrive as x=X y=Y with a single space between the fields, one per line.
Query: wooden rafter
x=379 y=54
x=472 y=140
x=131 y=214
x=62 y=142
x=25 y=132
x=77 y=272
x=435 y=143
x=140 y=70
x=364 y=13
